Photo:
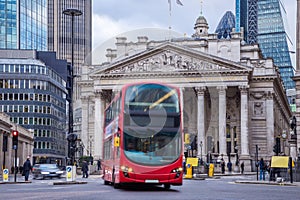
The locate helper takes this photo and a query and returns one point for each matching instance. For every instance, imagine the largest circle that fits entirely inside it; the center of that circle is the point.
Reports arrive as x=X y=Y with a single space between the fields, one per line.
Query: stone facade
x=233 y=99
x=25 y=143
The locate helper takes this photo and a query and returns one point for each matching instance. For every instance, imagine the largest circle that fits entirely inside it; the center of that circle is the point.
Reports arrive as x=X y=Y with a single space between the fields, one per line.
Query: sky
x=132 y=18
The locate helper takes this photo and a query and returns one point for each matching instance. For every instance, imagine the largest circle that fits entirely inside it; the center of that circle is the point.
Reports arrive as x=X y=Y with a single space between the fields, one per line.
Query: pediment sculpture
x=167 y=61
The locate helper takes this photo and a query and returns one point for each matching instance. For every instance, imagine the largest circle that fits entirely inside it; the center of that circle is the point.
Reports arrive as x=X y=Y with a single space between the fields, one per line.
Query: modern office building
x=60 y=34
x=274 y=39
x=23 y=24
x=60 y=37
x=33 y=94
x=266 y=24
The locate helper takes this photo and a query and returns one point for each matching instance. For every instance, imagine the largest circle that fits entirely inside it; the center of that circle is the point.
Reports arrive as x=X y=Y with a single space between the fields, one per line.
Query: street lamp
x=71 y=12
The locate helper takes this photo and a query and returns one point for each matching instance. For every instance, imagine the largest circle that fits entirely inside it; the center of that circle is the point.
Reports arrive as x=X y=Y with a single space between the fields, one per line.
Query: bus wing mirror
x=117 y=141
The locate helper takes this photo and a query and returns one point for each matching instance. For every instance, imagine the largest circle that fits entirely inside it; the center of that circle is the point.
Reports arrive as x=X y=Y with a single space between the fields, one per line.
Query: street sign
x=71 y=173
x=5 y=175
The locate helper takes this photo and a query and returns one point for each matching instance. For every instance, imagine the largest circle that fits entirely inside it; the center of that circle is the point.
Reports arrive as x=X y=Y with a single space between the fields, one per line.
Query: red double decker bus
x=143 y=137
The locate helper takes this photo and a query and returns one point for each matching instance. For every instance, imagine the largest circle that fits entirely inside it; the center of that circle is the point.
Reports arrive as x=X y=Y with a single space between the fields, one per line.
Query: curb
x=18 y=182
x=68 y=183
x=265 y=183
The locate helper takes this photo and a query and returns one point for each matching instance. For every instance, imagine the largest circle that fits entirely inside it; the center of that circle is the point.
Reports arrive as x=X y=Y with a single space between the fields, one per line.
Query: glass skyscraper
x=273 y=38
x=60 y=33
x=264 y=22
x=23 y=24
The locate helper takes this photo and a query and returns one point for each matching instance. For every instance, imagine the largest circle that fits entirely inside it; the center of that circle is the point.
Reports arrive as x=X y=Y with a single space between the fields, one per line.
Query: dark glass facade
x=60 y=33
x=30 y=31
x=34 y=96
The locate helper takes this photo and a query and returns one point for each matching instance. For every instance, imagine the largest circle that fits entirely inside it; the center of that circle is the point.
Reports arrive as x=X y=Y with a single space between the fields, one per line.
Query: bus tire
x=106 y=182
x=167 y=186
x=117 y=185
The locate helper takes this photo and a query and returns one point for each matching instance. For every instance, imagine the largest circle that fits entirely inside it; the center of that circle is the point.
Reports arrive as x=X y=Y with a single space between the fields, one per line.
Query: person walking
x=223 y=166
x=99 y=164
x=261 y=165
x=229 y=166
x=242 y=167
x=85 y=169
x=27 y=168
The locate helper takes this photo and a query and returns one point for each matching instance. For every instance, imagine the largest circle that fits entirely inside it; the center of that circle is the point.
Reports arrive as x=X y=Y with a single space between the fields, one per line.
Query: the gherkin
x=225 y=26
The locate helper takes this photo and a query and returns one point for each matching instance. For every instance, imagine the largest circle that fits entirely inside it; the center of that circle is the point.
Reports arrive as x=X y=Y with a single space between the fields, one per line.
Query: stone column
x=98 y=123
x=84 y=135
x=200 y=121
x=244 y=121
x=222 y=119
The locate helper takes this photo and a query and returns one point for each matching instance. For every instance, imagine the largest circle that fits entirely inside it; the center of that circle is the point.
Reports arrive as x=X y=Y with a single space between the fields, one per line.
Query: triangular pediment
x=168 y=58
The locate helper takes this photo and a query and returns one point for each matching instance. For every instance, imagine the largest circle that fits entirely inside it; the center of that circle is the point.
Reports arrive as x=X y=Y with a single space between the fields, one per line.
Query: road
x=216 y=189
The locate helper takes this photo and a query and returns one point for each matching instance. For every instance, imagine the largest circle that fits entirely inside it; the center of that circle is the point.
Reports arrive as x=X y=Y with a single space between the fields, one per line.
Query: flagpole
x=170 y=17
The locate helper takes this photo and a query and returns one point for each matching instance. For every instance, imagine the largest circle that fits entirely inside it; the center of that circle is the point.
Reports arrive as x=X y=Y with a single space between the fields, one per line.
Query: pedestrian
x=99 y=164
x=27 y=168
x=85 y=169
x=223 y=166
x=261 y=165
x=242 y=167
x=229 y=166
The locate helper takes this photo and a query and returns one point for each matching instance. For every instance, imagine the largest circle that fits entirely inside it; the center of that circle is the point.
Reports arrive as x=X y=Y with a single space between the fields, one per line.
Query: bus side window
x=108 y=116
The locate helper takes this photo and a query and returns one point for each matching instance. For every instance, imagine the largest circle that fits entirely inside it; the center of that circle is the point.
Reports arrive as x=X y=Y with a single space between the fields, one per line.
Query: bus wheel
x=167 y=186
x=106 y=182
x=117 y=185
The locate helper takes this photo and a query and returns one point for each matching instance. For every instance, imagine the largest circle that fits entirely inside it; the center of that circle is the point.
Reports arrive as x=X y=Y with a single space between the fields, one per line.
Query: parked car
x=46 y=171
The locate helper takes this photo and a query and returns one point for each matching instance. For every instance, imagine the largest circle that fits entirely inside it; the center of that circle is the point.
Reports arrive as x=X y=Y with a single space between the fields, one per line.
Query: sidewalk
x=251 y=174
x=11 y=179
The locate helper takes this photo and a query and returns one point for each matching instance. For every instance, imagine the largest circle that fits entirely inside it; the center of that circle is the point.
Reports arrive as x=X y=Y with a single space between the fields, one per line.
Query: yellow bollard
x=211 y=170
x=189 y=171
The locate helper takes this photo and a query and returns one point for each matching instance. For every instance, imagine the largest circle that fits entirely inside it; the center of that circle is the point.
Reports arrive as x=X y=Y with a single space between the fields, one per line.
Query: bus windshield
x=152 y=124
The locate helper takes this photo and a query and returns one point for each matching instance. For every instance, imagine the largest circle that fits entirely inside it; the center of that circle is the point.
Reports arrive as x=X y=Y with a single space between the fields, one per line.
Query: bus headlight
x=126 y=170
x=177 y=171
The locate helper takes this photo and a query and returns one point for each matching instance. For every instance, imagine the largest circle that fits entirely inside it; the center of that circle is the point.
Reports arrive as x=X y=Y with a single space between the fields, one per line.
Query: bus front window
x=160 y=149
x=152 y=124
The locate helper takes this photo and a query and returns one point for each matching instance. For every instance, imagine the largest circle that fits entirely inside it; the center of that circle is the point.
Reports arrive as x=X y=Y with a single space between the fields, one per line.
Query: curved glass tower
x=225 y=26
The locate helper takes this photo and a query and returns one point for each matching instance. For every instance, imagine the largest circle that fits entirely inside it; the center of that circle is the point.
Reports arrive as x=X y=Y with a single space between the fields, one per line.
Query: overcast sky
x=114 y=17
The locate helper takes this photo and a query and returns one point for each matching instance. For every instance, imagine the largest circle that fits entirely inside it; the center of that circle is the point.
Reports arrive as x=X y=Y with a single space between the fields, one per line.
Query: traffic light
x=15 y=135
x=293 y=126
x=276 y=147
x=72 y=146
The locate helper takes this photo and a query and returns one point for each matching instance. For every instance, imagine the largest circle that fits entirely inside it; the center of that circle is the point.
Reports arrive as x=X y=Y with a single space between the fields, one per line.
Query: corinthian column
x=200 y=120
x=222 y=119
x=84 y=135
x=244 y=121
x=98 y=124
